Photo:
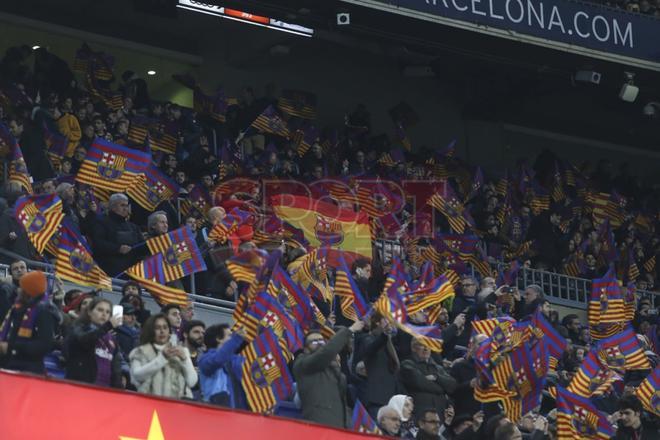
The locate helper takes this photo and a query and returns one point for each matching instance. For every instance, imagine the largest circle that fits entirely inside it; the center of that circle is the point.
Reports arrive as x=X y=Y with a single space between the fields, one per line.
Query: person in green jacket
x=321 y=384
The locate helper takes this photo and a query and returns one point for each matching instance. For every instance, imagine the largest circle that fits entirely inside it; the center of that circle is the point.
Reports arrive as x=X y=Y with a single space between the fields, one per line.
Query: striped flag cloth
x=649 y=265
x=606 y=305
x=181 y=255
x=244 y=266
x=267 y=312
x=40 y=216
x=623 y=352
x=292 y=297
x=351 y=301
x=452 y=208
x=558 y=193
x=266 y=378
x=232 y=221
x=593 y=378
x=270 y=122
x=648 y=392
x=161 y=140
x=303 y=139
x=487 y=326
x=198 y=200
x=152 y=188
x=433 y=294
x=149 y=274
x=362 y=421
x=74 y=260
x=390 y=304
x=530 y=367
x=112 y=167
x=56 y=143
x=556 y=342
x=429 y=336
x=18 y=171
x=578 y=418
x=215 y=107
x=298 y=103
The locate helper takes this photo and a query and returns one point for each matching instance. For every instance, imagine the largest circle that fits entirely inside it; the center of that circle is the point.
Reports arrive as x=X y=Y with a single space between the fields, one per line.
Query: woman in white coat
x=160 y=367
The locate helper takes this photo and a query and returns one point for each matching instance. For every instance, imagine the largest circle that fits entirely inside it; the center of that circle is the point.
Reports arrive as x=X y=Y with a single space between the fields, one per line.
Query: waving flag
x=40 y=216
x=593 y=378
x=111 y=166
x=149 y=274
x=56 y=143
x=390 y=304
x=18 y=171
x=578 y=418
x=152 y=188
x=648 y=392
x=298 y=103
x=270 y=122
x=266 y=378
x=487 y=326
x=530 y=367
x=622 y=351
x=198 y=200
x=326 y=225
x=74 y=260
x=352 y=303
x=362 y=421
x=439 y=290
x=245 y=266
x=556 y=343
x=232 y=221
x=181 y=255
x=303 y=139
x=267 y=312
x=452 y=208
x=607 y=310
x=292 y=296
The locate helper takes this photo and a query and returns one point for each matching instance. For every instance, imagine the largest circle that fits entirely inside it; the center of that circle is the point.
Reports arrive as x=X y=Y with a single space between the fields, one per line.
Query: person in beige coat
x=157 y=366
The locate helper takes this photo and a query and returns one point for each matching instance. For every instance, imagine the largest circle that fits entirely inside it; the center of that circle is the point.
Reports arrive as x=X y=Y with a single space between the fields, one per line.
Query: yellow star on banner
x=155 y=431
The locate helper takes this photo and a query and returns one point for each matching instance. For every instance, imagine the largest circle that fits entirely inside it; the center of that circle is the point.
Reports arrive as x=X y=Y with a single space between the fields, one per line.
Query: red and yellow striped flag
x=40 y=216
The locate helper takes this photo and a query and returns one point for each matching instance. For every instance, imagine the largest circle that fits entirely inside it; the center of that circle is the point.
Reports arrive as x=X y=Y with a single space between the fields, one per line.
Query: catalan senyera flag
x=452 y=208
x=326 y=225
x=266 y=378
x=429 y=336
x=486 y=326
x=352 y=303
x=362 y=421
x=298 y=103
x=149 y=274
x=648 y=392
x=439 y=290
x=40 y=216
x=245 y=266
x=152 y=188
x=270 y=122
x=578 y=418
x=113 y=167
x=181 y=255
x=622 y=351
x=74 y=260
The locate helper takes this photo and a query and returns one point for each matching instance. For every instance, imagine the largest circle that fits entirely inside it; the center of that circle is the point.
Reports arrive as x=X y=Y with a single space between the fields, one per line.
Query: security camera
x=650 y=110
x=343 y=19
x=629 y=90
x=588 y=76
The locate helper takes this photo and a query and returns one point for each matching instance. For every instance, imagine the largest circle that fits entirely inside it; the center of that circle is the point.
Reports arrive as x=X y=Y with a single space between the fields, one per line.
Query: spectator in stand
x=361 y=271
x=193 y=339
x=27 y=331
x=92 y=352
x=572 y=325
x=389 y=421
x=173 y=314
x=382 y=364
x=114 y=237
x=404 y=406
x=9 y=287
x=131 y=295
x=427 y=382
x=321 y=385
x=33 y=147
x=508 y=431
x=629 y=420
x=159 y=367
x=464 y=371
x=157 y=224
x=429 y=422
x=128 y=333
x=465 y=301
x=532 y=298
x=13 y=237
x=220 y=367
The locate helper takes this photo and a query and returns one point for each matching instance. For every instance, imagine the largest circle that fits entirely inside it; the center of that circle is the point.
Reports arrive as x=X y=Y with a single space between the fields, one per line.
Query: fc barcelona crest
x=81 y=260
x=111 y=166
x=328 y=232
x=33 y=221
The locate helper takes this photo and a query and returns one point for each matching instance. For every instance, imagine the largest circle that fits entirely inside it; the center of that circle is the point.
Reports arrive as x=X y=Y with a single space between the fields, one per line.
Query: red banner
x=37 y=408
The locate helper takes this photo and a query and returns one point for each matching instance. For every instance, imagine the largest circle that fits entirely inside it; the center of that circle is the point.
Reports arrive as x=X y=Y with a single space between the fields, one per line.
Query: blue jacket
x=220 y=370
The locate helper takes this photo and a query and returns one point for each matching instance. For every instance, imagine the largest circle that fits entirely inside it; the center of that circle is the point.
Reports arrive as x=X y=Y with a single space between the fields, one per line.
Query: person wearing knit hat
x=27 y=332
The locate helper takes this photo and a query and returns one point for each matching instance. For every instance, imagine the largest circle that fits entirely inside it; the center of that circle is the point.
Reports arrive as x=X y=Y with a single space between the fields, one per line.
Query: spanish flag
x=327 y=225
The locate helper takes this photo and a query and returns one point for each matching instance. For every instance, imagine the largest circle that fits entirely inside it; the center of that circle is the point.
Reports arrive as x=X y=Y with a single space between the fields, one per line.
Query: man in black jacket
x=114 y=237
x=27 y=334
x=9 y=287
x=630 y=426
x=427 y=382
x=532 y=298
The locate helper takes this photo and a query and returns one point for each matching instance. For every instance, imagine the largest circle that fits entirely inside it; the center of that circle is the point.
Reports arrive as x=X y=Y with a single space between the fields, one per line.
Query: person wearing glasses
x=467 y=298
x=389 y=421
x=321 y=384
x=429 y=425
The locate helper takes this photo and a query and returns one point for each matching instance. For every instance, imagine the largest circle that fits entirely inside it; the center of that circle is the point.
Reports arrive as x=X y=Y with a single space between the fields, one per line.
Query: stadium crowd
x=549 y=214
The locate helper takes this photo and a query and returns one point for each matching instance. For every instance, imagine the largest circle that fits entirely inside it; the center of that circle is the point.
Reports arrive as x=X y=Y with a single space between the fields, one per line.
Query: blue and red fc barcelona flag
x=74 y=260
x=266 y=377
x=40 y=216
x=113 y=167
